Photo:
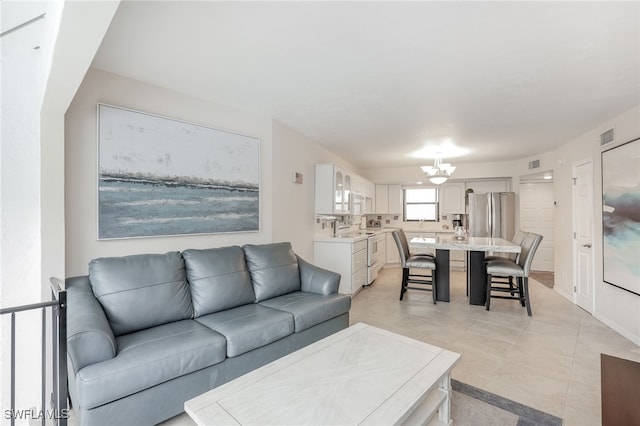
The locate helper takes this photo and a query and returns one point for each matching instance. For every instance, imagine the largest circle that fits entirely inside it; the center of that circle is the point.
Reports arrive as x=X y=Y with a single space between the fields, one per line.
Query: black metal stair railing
x=58 y=411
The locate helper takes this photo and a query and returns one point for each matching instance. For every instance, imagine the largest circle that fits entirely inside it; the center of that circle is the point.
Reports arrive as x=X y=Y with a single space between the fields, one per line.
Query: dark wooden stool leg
x=405 y=278
x=433 y=286
x=525 y=284
x=523 y=302
x=487 y=302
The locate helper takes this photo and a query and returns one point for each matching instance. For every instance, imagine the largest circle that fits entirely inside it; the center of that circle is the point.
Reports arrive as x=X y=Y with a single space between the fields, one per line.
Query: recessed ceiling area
x=374 y=81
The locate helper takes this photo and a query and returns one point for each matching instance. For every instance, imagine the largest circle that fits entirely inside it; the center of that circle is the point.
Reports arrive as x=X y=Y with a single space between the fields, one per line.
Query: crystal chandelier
x=439 y=172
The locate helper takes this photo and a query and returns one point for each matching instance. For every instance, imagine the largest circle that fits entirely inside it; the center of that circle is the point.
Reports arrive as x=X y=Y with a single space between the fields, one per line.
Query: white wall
x=81 y=166
x=38 y=82
x=615 y=307
x=24 y=71
x=293 y=204
x=71 y=59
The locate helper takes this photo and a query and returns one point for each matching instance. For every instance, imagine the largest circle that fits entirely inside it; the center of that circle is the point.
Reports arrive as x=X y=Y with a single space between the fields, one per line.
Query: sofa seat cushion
x=249 y=327
x=141 y=291
x=310 y=309
x=219 y=279
x=148 y=358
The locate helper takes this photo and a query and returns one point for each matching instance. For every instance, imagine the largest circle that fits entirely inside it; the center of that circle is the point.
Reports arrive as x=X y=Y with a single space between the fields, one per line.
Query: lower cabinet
x=348 y=258
x=381 y=255
x=393 y=256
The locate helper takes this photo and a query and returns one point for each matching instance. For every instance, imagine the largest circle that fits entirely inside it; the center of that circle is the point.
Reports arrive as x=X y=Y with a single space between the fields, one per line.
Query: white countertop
x=429 y=231
x=354 y=236
x=351 y=237
x=449 y=242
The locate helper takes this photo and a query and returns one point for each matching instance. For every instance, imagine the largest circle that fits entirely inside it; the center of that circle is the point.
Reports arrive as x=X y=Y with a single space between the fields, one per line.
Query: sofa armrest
x=317 y=280
x=89 y=336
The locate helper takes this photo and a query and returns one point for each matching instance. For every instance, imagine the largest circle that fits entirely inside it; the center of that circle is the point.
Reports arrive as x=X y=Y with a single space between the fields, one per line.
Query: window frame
x=436 y=203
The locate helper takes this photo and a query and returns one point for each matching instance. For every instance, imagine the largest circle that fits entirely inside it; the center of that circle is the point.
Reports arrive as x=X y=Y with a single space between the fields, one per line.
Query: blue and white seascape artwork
x=161 y=177
x=621 y=216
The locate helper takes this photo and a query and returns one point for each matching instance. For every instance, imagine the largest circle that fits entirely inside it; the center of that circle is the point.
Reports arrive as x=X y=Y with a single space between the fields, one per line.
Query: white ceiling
x=373 y=81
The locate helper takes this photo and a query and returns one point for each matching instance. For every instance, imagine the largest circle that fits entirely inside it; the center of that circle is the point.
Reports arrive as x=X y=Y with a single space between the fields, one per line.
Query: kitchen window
x=421 y=204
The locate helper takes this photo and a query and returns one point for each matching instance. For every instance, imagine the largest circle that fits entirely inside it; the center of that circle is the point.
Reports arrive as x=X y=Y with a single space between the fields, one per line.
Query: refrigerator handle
x=489 y=218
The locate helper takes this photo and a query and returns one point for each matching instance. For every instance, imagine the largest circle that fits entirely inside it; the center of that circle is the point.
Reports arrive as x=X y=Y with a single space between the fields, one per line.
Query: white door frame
x=583 y=246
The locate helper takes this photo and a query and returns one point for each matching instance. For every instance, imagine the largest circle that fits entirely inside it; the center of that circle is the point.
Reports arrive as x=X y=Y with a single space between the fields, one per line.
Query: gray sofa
x=148 y=332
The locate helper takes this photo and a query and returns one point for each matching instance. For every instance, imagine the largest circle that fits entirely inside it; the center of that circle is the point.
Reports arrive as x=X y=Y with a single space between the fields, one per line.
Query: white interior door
x=583 y=234
x=536 y=215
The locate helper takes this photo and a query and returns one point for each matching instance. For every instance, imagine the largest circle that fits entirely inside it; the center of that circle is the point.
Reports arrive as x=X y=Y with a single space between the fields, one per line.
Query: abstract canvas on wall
x=159 y=176
x=621 y=216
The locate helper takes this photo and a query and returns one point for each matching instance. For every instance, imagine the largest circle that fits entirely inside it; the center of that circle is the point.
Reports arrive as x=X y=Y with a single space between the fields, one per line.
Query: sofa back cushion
x=273 y=268
x=141 y=291
x=218 y=278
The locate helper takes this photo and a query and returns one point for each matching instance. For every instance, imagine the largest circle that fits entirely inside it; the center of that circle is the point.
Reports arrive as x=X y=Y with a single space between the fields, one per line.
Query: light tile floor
x=550 y=361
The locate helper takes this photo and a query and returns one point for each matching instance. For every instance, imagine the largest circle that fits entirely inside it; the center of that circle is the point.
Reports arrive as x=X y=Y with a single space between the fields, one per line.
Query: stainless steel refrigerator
x=492 y=215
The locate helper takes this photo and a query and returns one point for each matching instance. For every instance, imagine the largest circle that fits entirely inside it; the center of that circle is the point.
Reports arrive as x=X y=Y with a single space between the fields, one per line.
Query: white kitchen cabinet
x=349 y=259
x=482 y=186
x=389 y=199
x=365 y=194
x=369 y=189
x=333 y=187
x=452 y=198
x=395 y=199
x=381 y=254
x=393 y=256
x=382 y=199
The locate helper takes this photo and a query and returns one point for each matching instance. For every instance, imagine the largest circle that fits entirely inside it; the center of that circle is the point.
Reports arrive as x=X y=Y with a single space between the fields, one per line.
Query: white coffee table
x=360 y=375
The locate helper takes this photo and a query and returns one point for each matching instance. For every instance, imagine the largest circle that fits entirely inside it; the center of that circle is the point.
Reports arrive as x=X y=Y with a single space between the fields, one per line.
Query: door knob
x=586 y=245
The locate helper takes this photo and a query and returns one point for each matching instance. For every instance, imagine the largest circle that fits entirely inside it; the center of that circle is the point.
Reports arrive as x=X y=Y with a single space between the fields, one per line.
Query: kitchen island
x=476 y=247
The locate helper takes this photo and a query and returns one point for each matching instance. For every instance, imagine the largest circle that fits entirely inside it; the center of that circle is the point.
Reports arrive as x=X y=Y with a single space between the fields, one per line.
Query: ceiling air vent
x=607 y=137
x=534 y=164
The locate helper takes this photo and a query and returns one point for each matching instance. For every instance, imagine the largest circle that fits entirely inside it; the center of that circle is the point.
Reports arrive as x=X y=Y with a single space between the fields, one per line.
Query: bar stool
x=518 y=238
x=510 y=268
x=426 y=282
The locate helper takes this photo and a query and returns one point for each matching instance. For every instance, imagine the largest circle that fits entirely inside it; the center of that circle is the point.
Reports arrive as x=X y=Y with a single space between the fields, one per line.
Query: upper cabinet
x=382 y=199
x=388 y=199
x=482 y=186
x=452 y=198
x=333 y=186
x=368 y=189
x=395 y=199
x=340 y=191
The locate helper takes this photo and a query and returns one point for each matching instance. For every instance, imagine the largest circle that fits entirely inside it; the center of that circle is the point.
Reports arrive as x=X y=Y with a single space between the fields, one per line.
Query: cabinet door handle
x=586 y=245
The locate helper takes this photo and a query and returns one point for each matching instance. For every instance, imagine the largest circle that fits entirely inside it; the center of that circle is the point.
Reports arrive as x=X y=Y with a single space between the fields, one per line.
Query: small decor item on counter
x=460 y=233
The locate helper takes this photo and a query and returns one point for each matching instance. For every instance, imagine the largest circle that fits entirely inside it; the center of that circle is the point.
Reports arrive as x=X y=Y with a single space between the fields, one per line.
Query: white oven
x=373 y=250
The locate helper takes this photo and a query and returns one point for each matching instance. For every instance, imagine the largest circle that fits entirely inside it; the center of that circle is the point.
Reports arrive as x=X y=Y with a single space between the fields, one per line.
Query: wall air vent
x=534 y=164
x=607 y=137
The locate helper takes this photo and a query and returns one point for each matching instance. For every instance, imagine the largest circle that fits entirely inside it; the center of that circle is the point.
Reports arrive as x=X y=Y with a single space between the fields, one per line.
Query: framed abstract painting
x=159 y=176
x=621 y=216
